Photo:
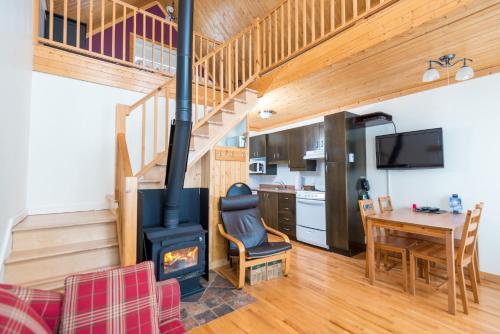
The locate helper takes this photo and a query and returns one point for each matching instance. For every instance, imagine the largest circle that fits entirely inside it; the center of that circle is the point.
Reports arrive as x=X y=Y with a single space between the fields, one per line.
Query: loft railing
x=219 y=75
x=115 y=31
x=295 y=26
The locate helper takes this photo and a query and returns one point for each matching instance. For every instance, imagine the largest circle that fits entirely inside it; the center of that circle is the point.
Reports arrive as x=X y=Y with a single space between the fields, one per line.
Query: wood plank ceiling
x=385 y=70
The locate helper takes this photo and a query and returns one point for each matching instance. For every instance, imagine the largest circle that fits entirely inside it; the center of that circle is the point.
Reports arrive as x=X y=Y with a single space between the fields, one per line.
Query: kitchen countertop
x=274 y=190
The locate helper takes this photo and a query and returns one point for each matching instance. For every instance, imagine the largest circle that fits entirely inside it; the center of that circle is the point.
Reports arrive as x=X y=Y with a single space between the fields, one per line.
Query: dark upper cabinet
x=258 y=146
x=297 y=150
x=314 y=136
x=277 y=147
x=335 y=137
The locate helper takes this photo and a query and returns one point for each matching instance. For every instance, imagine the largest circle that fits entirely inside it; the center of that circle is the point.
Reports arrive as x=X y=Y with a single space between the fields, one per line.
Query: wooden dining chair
x=385 y=203
x=386 y=243
x=464 y=256
x=480 y=207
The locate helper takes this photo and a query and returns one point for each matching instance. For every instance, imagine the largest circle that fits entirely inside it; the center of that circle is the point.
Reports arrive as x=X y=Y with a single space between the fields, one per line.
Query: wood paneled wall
x=219 y=169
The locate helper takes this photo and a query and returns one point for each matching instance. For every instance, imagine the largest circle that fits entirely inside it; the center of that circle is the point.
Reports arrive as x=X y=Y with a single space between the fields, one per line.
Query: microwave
x=257 y=166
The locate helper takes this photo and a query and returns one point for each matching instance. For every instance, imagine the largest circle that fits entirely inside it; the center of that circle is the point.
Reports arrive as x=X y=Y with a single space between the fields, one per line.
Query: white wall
x=72 y=143
x=469 y=114
x=15 y=87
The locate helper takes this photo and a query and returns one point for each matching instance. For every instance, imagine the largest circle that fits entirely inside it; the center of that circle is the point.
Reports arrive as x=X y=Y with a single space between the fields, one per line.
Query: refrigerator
x=345 y=164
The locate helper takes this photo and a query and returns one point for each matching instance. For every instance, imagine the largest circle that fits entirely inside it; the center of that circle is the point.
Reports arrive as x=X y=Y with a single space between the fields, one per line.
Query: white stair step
x=58 y=220
x=29 y=266
x=35 y=254
x=57 y=282
x=42 y=231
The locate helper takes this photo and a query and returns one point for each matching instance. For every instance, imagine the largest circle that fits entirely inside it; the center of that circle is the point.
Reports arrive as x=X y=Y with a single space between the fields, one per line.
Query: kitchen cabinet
x=258 y=146
x=314 y=136
x=286 y=214
x=345 y=164
x=277 y=147
x=268 y=206
x=297 y=150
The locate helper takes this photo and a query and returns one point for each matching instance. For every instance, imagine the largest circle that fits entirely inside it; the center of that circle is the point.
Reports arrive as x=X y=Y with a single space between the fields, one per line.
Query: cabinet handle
x=326 y=155
x=278 y=155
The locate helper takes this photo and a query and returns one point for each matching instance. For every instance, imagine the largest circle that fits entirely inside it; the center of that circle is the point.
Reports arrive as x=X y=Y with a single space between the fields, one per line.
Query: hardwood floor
x=328 y=293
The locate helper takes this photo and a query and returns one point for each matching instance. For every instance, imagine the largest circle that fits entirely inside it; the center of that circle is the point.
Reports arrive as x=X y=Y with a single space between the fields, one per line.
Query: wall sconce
x=447 y=61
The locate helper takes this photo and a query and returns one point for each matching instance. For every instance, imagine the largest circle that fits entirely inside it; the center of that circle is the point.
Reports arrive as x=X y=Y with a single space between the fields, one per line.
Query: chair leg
x=241 y=272
x=405 y=270
x=473 y=281
x=476 y=265
x=378 y=258
x=287 y=264
x=412 y=274
x=367 y=267
x=427 y=269
x=463 y=290
x=386 y=261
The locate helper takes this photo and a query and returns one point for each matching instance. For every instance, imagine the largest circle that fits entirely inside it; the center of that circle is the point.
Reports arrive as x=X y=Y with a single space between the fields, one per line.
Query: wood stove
x=179 y=252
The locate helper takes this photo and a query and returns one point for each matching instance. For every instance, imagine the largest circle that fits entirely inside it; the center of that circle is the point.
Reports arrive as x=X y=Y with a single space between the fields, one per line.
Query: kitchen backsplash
x=288 y=177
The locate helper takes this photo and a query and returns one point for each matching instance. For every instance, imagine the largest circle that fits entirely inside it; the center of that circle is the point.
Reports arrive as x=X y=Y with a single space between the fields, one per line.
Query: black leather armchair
x=247 y=235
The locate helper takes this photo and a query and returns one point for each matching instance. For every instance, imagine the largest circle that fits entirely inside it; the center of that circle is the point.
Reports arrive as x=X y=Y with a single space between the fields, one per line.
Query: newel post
x=128 y=248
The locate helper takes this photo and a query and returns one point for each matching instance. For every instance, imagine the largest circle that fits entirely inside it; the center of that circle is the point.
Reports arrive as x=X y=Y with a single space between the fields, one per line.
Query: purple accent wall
x=129 y=26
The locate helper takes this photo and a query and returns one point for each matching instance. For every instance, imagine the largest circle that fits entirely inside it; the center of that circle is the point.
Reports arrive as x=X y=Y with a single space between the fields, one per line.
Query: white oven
x=311 y=218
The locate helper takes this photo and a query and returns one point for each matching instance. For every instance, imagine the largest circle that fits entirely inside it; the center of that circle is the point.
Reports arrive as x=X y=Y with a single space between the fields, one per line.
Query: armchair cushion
x=116 y=301
x=265 y=249
x=241 y=218
x=18 y=317
x=46 y=303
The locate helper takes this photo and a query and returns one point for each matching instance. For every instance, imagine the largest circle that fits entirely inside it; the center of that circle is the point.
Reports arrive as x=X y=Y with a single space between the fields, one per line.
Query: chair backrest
x=385 y=203
x=238 y=189
x=469 y=234
x=242 y=220
x=367 y=208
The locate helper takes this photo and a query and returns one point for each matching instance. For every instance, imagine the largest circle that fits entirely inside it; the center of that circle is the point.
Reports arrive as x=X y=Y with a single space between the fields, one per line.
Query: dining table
x=444 y=225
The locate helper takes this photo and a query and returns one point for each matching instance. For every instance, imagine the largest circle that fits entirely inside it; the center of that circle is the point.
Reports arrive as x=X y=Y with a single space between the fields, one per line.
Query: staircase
x=47 y=248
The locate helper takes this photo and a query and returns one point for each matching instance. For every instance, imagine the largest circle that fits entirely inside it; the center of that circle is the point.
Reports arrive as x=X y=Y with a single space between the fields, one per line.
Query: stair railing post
x=257 y=49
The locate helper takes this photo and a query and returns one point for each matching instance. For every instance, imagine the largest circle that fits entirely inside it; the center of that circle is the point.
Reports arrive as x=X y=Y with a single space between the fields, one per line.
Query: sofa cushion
x=116 y=301
x=46 y=303
x=17 y=317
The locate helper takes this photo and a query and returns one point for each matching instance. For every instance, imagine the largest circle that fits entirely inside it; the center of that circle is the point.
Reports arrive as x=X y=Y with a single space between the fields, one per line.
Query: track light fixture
x=447 y=61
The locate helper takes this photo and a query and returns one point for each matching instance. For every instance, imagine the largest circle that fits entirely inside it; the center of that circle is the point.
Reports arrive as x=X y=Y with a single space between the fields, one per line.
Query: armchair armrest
x=238 y=243
x=275 y=232
x=168 y=295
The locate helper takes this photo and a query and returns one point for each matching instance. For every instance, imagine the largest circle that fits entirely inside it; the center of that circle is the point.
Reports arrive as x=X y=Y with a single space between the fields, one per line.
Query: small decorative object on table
x=455 y=203
x=274 y=269
x=256 y=274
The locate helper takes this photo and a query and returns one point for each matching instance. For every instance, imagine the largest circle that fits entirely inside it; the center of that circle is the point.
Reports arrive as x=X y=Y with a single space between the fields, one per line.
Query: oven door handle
x=310 y=201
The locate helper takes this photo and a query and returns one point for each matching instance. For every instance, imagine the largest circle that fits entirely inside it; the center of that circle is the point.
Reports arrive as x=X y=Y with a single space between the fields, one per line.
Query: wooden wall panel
x=224 y=172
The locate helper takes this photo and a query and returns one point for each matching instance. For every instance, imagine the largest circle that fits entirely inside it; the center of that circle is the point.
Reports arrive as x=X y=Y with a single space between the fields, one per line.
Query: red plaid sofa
x=124 y=300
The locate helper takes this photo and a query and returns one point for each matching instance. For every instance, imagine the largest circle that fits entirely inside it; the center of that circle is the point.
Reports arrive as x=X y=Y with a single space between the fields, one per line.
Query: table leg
x=450 y=264
x=370 y=251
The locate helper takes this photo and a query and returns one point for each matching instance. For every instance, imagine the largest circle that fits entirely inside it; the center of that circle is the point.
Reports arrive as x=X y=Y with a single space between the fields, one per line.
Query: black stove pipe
x=179 y=150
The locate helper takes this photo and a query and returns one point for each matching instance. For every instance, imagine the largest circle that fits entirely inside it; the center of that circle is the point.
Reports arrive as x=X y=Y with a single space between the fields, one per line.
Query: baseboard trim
x=6 y=244
x=75 y=207
x=490 y=277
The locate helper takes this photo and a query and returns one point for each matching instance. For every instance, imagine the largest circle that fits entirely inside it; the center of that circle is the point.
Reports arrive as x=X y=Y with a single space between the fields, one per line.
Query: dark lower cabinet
x=278 y=211
x=268 y=204
x=286 y=214
x=345 y=165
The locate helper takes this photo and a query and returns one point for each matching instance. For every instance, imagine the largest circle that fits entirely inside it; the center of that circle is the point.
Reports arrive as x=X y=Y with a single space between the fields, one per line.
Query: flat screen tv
x=410 y=150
